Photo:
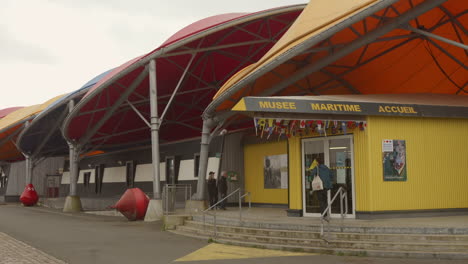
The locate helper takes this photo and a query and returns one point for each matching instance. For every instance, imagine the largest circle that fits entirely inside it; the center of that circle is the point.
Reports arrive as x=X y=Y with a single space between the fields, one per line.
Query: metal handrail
x=238 y=190
x=343 y=195
x=187 y=193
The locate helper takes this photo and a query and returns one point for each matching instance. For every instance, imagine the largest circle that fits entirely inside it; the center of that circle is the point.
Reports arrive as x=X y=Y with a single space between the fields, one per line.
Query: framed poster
x=394 y=160
x=275 y=171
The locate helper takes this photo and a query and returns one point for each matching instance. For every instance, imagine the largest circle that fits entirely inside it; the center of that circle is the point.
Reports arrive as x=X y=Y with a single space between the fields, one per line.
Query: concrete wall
x=17 y=176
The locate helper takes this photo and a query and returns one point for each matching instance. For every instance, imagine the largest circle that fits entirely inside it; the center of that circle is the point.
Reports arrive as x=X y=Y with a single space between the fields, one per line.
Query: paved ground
x=13 y=251
x=41 y=235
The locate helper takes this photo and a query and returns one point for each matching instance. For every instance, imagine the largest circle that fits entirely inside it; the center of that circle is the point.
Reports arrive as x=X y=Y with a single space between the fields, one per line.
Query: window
x=196 y=161
x=98 y=177
x=86 y=178
x=130 y=167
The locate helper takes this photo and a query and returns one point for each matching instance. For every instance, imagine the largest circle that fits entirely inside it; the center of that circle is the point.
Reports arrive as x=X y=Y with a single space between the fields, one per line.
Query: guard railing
x=174 y=194
x=325 y=216
x=241 y=196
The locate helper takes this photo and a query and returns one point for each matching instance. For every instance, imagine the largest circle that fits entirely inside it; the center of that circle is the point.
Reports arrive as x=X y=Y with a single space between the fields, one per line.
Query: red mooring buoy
x=133 y=204
x=29 y=196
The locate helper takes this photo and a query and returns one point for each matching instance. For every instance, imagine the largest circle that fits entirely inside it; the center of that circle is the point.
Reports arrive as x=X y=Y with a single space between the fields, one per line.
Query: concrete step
x=336 y=225
x=424 y=238
x=331 y=250
x=423 y=246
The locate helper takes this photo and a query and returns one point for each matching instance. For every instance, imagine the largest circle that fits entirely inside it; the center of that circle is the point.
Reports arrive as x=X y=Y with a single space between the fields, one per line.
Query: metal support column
x=29 y=170
x=73 y=202
x=154 y=130
x=74 y=163
x=204 y=147
x=74 y=160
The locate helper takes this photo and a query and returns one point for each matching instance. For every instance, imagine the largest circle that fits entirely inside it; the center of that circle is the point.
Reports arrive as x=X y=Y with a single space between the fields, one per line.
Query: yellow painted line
x=219 y=251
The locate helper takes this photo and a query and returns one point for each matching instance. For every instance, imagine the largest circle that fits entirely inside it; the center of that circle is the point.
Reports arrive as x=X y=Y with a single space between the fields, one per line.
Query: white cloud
x=53 y=47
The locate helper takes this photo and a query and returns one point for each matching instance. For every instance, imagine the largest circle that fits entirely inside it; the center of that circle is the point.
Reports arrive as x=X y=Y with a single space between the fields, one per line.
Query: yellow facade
x=253 y=170
x=437 y=164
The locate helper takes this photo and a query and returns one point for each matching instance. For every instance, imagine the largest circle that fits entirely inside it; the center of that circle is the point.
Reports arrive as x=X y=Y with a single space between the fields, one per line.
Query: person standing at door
x=325 y=175
x=212 y=189
x=222 y=189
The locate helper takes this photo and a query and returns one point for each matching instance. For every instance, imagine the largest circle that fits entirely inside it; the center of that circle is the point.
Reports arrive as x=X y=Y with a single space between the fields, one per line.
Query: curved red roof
x=220 y=46
x=201 y=25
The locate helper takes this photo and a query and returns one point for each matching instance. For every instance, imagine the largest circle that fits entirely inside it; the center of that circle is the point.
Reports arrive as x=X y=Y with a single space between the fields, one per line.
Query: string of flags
x=286 y=127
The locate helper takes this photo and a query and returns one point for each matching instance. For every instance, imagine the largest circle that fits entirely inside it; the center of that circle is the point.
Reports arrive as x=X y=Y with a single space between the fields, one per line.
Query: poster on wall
x=394 y=159
x=275 y=171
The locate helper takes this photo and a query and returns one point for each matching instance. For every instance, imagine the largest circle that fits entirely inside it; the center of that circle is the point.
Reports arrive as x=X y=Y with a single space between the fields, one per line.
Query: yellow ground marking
x=219 y=251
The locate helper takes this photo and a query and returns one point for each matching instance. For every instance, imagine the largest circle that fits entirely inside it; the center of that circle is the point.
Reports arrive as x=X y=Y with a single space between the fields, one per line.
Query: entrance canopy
x=190 y=67
x=42 y=137
x=354 y=107
x=12 y=124
x=361 y=47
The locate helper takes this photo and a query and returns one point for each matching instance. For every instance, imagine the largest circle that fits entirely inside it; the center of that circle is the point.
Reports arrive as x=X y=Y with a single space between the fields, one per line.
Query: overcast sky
x=53 y=47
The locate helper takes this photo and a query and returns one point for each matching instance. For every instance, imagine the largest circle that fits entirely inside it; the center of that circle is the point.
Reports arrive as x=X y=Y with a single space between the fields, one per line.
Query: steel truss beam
x=139 y=114
x=12 y=135
x=215 y=48
x=210 y=110
x=181 y=79
x=355 y=44
x=434 y=36
x=50 y=132
x=110 y=110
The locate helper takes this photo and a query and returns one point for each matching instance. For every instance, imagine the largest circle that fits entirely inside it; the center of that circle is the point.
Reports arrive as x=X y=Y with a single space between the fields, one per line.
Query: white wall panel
x=114 y=174
x=144 y=172
x=65 y=178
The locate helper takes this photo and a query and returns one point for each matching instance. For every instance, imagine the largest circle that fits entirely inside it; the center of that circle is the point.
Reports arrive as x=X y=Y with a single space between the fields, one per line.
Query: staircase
x=339 y=238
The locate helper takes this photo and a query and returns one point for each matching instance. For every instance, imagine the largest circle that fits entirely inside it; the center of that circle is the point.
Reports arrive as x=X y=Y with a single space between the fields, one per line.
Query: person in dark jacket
x=222 y=189
x=212 y=189
x=325 y=175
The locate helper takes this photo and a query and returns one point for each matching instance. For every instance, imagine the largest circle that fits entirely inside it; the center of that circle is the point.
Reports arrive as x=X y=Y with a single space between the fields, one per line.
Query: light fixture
x=338 y=147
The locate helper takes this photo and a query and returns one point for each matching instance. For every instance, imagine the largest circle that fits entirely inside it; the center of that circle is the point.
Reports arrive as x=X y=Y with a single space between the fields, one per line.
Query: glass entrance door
x=337 y=154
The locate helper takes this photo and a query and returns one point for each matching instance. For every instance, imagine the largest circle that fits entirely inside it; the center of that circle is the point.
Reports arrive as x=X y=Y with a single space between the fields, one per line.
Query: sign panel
x=387 y=145
x=289 y=105
x=394 y=160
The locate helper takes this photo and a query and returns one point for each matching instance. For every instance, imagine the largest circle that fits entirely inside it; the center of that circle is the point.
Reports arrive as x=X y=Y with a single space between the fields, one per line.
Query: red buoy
x=133 y=204
x=29 y=196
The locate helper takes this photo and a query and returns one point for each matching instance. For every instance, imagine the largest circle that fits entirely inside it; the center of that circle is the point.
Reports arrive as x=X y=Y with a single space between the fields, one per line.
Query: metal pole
x=29 y=169
x=177 y=87
x=204 y=147
x=74 y=163
x=221 y=154
x=434 y=36
x=341 y=203
x=154 y=129
x=74 y=159
x=240 y=208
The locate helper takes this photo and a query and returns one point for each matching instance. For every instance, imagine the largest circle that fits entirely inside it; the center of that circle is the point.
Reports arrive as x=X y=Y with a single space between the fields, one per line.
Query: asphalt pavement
x=43 y=235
